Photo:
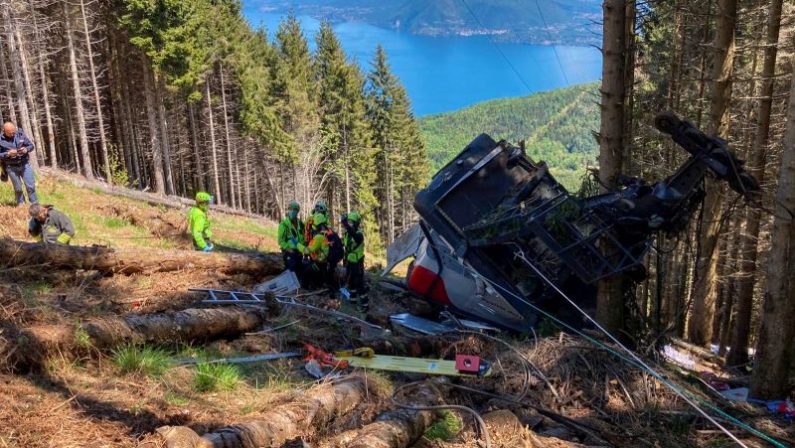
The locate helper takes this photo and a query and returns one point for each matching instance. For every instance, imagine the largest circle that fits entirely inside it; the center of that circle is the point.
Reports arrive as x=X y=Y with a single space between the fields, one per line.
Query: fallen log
x=30 y=347
x=176 y=326
x=133 y=261
x=398 y=428
x=175 y=202
x=316 y=408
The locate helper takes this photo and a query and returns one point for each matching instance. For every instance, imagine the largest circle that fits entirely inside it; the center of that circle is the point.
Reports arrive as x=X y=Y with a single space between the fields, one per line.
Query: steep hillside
x=123 y=223
x=557 y=127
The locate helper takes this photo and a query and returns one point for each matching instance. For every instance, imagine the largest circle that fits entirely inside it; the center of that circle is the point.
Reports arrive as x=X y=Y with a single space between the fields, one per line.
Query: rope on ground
x=634 y=359
x=525 y=363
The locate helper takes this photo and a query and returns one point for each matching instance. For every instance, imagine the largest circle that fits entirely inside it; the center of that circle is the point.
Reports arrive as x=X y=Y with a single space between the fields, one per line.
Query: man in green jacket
x=199 y=223
x=291 y=239
x=49 y=225
x=353 y=242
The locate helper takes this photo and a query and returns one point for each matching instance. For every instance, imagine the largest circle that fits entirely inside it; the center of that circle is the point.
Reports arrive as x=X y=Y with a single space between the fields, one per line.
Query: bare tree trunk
x=162 y=121
x=103 y=143
x=610 y=303
x=154 y=128
x=232 y=202
x=214 y=150
x=32 y=106
x=78 y=97
x=198 y=170
x=7 y=87
x=45 y=91
x=700 y=326
x=750 y=242
x=19 y=83
x=770 y=378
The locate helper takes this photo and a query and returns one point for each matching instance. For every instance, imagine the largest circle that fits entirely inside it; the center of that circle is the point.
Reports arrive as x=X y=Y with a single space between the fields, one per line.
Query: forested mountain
x=178 y=96
x=568 y=22
x=557 y=127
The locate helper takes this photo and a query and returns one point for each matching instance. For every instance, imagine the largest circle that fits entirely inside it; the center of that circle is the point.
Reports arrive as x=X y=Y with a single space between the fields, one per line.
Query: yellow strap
x=403 y=364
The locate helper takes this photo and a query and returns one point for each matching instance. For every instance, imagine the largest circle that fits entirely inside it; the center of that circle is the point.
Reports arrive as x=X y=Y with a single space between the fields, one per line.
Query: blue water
x=448 y=73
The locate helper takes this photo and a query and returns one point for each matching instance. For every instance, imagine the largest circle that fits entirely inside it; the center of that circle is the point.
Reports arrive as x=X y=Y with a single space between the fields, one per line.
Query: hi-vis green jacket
x=354 y=246
x=291 y=236
x=199 y=227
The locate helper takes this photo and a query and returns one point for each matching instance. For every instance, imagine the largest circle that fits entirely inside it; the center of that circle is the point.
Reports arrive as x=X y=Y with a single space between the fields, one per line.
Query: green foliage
x=210 y=377
x=147 y=360
x=401 y=162
x=447 y=427
x=557 y=127
x=178 y=36
x=118 y=173
x=114 y=223
x=82 y=338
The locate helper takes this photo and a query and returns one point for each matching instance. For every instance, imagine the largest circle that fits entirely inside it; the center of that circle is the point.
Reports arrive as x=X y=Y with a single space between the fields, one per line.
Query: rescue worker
x=325 y=252
x=15 y=149
x=50 y=226
x=199 y=223
x=291 y=239
x=353 y=243
x=320 y=207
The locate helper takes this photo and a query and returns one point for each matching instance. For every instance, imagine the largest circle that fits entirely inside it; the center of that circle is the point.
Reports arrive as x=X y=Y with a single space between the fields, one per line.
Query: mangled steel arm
x=668 y=204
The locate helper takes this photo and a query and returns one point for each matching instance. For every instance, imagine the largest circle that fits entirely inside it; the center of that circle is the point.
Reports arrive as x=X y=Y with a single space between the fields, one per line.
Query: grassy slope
x=119 y=222
x=556 y=125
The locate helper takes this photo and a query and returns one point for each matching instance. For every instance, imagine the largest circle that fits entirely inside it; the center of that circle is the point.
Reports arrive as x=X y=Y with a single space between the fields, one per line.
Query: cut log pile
x=399 y=428
x=127 y=261
x=315 y=409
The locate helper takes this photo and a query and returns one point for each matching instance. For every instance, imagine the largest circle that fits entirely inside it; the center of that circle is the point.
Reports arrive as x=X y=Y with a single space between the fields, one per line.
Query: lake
x=448 y=73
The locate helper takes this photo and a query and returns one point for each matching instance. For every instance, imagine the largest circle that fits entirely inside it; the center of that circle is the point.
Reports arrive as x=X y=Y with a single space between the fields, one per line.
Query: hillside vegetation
x=560 y=22
x=557 y=127
x=116 y=222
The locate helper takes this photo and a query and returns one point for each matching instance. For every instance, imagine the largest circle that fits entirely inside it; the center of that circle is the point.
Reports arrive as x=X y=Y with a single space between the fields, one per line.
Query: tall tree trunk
x=35 y=126
x=15 y=51
x=774 y=353
x=78 y=97
x=12 y=114
x=162 y=121
x=154 y=128
x=745 y=288
x=45 y=91
x=700 y=326
x=103 y=143
x=32 y=106
x=232 y=202
x=214 y=150
x=610 y=303
x=198 y=170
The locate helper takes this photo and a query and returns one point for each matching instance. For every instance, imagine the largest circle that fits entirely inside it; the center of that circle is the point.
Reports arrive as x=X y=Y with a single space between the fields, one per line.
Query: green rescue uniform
x=353 y=242
x=199 y=227
x=292 y=243
x=56 y=229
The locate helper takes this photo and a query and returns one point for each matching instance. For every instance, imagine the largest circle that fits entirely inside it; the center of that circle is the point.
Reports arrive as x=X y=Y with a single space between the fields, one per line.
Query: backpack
x=335 y=249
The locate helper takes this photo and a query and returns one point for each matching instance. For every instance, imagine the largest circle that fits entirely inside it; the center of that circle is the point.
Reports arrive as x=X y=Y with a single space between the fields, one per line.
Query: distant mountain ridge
x=569 y=22
x=556 y=125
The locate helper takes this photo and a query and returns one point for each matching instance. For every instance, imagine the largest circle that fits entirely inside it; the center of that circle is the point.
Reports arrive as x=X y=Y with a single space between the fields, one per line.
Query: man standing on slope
x=199 y=223
x=49 y=225
x=291 y=239
x=15 y=148
x=353 y=241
